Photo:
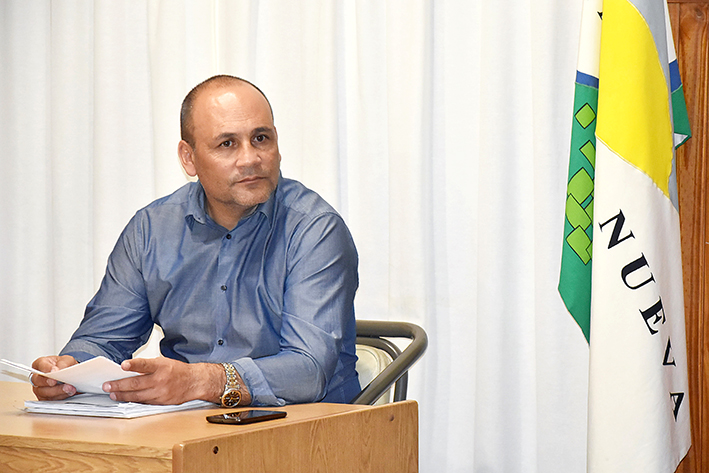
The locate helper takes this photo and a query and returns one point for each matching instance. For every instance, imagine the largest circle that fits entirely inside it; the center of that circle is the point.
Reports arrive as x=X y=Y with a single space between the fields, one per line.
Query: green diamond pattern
x=581 y=243
x=579 y=210
x=577 y=216
x=585 y=116
x=589 y=151
x=580 y=185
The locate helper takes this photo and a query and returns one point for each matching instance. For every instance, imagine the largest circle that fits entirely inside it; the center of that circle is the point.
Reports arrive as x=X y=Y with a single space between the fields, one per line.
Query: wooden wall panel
x=690 y=24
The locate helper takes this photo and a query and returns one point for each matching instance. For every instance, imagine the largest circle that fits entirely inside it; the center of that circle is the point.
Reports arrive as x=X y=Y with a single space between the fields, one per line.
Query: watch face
x=231 y=398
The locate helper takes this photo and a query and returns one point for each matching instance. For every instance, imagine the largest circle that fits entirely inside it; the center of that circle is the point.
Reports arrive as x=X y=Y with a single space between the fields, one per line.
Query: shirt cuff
x=79 y=356
x=261 y=393
x=85 y=350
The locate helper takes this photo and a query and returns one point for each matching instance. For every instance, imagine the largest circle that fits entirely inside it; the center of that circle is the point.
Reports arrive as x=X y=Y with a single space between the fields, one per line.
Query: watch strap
x=232 y=388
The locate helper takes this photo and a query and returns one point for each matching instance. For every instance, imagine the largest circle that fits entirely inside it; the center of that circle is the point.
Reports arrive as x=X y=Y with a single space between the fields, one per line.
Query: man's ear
x=186 y=154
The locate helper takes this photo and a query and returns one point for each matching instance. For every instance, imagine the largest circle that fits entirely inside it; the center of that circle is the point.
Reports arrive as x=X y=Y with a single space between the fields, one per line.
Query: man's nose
x=248 y=156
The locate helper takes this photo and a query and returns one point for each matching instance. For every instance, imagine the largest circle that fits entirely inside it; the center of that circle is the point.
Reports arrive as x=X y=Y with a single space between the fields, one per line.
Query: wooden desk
x=312 y=438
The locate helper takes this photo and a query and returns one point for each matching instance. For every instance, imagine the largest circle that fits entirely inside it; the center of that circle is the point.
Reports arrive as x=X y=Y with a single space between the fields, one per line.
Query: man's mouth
x=249 y=179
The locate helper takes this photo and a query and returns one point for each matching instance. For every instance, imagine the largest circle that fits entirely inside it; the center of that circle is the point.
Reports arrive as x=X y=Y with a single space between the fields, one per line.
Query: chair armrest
x=400 y=365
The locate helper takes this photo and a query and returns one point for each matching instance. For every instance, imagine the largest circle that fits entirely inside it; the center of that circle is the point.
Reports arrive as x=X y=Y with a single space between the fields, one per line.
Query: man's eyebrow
x=225 y=136
x=262 y=129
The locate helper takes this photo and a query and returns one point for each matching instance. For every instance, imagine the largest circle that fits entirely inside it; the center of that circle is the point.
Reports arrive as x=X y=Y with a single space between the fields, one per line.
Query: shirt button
x=223 y=288
x=220 y=341
x=228 y=236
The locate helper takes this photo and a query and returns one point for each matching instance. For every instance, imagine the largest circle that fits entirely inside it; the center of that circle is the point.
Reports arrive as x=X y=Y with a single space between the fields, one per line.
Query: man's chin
x=252 y=199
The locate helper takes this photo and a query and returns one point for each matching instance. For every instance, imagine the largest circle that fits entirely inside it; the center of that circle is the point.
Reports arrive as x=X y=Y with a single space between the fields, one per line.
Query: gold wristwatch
x=232 y=389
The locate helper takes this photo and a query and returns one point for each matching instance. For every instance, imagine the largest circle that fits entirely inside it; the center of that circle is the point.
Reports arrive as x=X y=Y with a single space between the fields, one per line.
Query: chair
x=383 y=361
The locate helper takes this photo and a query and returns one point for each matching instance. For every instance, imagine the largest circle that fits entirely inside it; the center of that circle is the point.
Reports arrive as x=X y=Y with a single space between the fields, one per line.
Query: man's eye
x=227 y=144
x=261 y=138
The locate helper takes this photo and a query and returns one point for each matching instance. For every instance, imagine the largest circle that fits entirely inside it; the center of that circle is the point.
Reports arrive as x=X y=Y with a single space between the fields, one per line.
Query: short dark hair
x=186 y=124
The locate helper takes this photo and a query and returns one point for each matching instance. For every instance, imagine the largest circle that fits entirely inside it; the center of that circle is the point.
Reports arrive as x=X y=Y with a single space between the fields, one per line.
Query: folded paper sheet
x=86 y=377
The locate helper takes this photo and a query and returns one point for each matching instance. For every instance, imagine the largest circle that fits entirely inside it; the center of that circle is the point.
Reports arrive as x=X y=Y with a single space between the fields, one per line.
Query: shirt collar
x=268 y=208
x=196 y=207
x=195 y=204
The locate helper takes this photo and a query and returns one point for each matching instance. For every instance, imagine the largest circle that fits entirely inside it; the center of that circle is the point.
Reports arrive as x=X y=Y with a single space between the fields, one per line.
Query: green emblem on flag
x=575 y=280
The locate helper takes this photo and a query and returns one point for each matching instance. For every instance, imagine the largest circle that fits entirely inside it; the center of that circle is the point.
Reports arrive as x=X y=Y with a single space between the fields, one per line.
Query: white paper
x=100 y=405
x=86 y=377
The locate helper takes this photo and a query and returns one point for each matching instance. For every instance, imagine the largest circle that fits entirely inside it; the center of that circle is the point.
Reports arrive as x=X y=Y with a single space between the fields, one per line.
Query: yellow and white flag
x=625 y=289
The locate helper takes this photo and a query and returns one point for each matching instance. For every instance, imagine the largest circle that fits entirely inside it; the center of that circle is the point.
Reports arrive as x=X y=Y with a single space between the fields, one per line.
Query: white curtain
x=438 y=128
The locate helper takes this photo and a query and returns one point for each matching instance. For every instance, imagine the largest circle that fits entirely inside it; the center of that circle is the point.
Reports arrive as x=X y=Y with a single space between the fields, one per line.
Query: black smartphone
x=245 y=417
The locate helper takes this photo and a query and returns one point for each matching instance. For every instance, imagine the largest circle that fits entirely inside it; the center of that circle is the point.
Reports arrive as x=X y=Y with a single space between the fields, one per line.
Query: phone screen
x=245 y=417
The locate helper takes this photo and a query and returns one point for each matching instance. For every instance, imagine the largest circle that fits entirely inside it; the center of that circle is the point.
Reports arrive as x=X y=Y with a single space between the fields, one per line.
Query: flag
x=621 y=273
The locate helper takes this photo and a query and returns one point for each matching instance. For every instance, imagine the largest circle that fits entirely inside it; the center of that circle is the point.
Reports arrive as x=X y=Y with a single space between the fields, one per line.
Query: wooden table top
x=151 y=436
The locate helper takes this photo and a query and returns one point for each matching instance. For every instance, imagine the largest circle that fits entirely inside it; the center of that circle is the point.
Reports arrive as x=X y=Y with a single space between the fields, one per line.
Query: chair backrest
x=381 y=363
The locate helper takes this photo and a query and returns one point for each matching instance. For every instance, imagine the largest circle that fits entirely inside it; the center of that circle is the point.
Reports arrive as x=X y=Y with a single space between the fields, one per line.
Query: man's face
x=235 y=152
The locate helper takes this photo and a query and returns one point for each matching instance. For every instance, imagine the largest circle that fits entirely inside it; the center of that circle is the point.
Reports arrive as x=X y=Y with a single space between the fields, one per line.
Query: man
x=250 y=275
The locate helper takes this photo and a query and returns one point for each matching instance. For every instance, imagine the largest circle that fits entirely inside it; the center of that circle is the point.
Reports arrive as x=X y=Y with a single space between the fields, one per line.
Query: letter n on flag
x=621 y=270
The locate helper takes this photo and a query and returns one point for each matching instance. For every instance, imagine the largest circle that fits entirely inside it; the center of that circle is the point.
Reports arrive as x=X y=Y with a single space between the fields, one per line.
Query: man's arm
x=317 y=317
x=117 y=320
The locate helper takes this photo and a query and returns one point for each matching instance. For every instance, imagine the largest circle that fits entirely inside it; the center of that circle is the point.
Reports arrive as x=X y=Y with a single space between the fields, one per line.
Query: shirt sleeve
x=318 y=313
x=117 y=320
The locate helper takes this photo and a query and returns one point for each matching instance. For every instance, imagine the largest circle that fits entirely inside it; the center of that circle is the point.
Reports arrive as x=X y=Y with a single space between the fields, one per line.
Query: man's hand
x=48 y=389
x=167 y=381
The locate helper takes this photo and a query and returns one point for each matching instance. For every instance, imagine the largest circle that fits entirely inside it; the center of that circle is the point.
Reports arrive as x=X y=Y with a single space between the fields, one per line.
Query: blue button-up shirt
x=274 y=296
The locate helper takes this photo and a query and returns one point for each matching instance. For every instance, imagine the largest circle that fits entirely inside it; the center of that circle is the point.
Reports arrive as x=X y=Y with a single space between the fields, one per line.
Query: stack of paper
x=100 y=405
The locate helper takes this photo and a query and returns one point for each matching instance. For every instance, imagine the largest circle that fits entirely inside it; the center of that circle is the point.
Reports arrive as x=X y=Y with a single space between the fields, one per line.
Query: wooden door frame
x=690 y=25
